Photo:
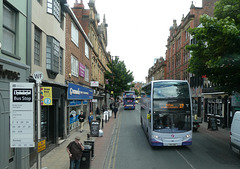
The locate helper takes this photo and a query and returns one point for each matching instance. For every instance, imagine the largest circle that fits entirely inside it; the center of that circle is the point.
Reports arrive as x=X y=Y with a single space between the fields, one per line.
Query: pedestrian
x=90 y=118
x=81 y=118
x=103 y=108
x=111 y=106
x=74 y=150
x=97 y=111
x=115 y=110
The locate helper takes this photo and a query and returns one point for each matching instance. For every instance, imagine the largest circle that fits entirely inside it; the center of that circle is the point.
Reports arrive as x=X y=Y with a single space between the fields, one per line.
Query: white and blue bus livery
x=166 y=113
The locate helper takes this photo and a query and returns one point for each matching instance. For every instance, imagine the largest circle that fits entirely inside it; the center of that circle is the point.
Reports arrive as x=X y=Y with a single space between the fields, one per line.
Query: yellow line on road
x=115 y=153
x=115 y=143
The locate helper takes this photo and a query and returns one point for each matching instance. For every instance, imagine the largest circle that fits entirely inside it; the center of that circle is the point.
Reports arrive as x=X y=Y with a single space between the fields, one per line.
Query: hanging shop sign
x=81 y=70
x=46 y=96
x=94 y=84
x=21 y=115
x=76 y=92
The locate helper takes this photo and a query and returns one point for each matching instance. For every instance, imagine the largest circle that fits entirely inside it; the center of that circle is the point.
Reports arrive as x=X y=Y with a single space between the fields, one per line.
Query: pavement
x=58 y=157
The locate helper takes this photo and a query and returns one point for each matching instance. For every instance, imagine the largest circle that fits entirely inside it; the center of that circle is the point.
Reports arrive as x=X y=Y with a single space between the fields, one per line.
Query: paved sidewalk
x=58 y=158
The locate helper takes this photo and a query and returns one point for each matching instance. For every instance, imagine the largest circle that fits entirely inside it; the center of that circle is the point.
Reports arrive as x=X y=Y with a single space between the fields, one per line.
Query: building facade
x=78 y=70
x=15 y=52
x=207 y=100
x=97 y=33
x=48 y=56
x=157 y=71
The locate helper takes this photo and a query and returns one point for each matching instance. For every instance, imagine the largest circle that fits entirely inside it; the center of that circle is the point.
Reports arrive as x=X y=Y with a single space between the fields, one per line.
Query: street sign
x=21 y=115
x=38 y=76
x=41 y=145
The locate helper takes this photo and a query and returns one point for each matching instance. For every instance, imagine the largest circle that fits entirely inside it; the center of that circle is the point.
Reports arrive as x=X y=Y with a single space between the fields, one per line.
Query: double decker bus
x=129 y=99
x=166 y=113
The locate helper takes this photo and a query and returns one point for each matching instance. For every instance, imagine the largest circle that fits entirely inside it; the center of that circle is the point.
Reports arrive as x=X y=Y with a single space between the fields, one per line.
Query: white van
x=235 y=133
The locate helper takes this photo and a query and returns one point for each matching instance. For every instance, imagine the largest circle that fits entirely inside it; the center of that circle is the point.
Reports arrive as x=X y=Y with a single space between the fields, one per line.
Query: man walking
x=74 y=150
x=115 y=110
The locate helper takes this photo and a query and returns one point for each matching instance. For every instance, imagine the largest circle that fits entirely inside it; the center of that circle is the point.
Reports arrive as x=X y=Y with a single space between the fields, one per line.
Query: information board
x=94 y=130
x=21 y=115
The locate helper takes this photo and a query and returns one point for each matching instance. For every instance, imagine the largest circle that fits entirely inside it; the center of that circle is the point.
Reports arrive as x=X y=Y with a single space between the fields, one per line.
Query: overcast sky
x=138 y=29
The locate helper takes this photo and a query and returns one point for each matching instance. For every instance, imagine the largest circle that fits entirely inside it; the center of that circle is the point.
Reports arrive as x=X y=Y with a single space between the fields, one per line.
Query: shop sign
x=94 y=84
x=81 y=70
x=76 y=92
x=94 y=100
x=75 y=102
x=46 y=96
x=21 y=115
x=9 y=74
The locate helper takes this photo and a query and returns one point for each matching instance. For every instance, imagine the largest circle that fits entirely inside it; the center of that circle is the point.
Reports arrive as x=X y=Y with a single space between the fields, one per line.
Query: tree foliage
x=216 y=53
x=119 y=78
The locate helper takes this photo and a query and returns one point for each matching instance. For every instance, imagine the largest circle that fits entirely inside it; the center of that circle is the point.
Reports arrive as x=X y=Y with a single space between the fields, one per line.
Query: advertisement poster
x=46 y=96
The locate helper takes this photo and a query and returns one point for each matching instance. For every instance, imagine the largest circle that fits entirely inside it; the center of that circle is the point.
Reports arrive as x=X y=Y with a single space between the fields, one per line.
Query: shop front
x=79 y=99
x=215 y=105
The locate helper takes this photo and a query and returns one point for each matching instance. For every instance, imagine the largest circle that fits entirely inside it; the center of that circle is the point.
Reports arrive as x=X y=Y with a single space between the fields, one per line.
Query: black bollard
x=102 y=123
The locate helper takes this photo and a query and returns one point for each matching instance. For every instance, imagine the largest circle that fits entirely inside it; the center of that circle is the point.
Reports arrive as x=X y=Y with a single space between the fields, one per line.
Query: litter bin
x=86 y=157
x=91 y=143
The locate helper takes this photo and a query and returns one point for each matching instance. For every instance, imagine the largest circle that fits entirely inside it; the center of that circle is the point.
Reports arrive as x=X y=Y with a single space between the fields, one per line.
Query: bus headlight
x=155 y=136
x=187 y=136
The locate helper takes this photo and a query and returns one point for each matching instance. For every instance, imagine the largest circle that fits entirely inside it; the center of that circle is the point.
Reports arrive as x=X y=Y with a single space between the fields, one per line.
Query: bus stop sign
x=38 y=76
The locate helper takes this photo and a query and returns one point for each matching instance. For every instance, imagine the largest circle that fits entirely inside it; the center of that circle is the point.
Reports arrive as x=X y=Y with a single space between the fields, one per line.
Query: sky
x=138 y=29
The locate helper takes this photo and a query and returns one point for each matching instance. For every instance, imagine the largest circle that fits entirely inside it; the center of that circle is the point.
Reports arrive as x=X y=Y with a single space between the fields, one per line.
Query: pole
x=38 y=124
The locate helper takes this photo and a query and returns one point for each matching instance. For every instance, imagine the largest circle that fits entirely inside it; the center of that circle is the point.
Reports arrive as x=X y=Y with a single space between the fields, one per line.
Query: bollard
x=102 y=123
x=88 y=136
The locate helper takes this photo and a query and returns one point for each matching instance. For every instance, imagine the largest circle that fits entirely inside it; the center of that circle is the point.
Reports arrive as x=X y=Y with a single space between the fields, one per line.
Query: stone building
x=15 y=54
x=157 y=71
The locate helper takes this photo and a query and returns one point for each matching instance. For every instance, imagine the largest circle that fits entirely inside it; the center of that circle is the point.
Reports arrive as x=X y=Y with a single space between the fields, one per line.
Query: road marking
x=114 y=144
x=185 y=160
x=115 y=153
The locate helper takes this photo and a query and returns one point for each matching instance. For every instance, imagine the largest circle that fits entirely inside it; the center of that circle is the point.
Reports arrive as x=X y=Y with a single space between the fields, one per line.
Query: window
x=9 y=30
x=39 y=1
x=53 y=54
x=62 y=21
x=86 y=50
x=86 y=74
x=37 y=46
x=53 y=7
x=74 y=66
x=74 y=34
x=61 y=61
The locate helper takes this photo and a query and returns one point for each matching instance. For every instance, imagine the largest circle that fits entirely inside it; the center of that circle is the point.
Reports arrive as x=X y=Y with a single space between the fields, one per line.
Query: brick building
x=97 y=33
x=176 y=55
x=77 y=70
x=207 y=101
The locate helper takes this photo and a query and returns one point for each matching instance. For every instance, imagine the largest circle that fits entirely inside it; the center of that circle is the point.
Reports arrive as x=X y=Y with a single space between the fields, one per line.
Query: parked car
x=235 y=133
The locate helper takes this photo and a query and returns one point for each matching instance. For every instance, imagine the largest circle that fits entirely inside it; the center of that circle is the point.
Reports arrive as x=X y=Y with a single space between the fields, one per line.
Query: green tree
x=119 y=78
x=216 y=52
x=136 y=92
